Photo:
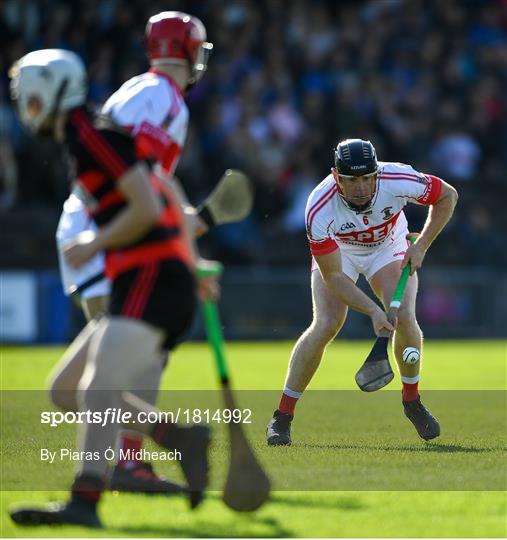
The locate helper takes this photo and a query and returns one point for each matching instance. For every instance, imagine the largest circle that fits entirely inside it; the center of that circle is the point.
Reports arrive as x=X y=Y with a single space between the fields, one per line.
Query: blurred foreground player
x=151 y=108
x=356 y=225
x=144 y=236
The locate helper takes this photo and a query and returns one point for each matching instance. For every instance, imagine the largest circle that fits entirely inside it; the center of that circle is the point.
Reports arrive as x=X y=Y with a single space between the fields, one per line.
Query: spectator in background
x=425 y=80
x=480 y=230
x=455 y=155
x=8 y=175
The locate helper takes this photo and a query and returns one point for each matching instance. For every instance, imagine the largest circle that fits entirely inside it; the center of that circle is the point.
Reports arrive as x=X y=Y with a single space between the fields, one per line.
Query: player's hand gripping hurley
x=247 y=486
x=376 y=372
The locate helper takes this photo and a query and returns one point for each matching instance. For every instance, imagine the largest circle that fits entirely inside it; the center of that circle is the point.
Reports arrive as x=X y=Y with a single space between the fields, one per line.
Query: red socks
x=410 y=392
x=87 y=489
x=288 y=401
x=130 y=444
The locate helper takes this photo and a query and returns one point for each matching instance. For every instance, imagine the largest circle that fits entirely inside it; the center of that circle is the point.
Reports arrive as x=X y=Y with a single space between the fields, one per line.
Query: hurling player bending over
x=149 y=260
x=356 y=225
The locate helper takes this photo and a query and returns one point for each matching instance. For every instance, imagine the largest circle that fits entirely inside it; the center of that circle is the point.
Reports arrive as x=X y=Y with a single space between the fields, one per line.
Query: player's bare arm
x=194 y=226
x=142 y=211
x=439 y=214
x=344 y=289
x=208 y=288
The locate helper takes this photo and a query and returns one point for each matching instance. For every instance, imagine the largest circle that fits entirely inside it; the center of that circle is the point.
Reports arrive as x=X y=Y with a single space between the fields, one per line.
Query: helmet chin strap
x=54 y=109
x=359 y=208
x=59 y=97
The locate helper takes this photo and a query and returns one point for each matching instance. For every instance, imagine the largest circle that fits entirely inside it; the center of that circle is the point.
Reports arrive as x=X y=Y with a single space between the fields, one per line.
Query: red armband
x=432 y=191
x=323 y=247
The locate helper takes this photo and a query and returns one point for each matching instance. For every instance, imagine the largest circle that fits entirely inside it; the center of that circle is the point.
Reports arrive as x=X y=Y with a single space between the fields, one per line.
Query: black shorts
x=161 y=293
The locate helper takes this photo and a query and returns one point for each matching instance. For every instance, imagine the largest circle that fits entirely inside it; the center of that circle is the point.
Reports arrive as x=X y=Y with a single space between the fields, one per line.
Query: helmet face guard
x=355 y=158
x=56 y=78
x=201 y=63
x=20 y=92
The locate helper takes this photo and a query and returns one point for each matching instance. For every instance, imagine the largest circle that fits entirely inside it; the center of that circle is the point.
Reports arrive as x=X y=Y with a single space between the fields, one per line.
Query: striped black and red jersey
x=102 y=156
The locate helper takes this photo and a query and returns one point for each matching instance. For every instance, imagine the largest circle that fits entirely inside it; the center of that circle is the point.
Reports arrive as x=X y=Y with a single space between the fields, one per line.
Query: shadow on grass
x=428 y=446
x=337 y=503
x=244 y=527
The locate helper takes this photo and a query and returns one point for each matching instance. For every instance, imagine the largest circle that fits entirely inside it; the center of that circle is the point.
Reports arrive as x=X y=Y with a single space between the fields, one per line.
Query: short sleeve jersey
x=151 y=106
x=101 y=158
x=332 y=224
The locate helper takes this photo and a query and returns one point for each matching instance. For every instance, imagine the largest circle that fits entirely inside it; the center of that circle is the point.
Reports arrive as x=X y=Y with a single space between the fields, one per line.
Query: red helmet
x=176 y=37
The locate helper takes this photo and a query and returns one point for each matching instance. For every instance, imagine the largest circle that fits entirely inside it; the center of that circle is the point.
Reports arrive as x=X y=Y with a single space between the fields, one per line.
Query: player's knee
x=57 y=396
x=325 y=329
x=54 y=392
x=64 y=398
x=406 y=318
x=104 y=380
x=97 y=394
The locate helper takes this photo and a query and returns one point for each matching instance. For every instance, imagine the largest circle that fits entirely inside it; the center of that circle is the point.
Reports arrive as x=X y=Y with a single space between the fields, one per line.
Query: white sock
x=410 y=380
x=288 y=392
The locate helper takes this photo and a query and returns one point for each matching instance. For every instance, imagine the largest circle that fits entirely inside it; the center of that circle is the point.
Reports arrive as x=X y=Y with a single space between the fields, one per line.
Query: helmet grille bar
x=355 y=157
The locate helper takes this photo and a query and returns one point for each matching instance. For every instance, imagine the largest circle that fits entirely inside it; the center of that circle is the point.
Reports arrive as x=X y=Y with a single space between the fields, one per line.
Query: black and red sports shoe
x=141 y=478
x=193 y=443
x=278 y=429
x=425 y=423
x=70 y=513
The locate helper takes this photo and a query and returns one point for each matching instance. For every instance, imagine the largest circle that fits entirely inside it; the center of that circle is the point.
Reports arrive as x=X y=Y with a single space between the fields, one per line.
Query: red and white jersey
x=332 y=224
x=152 y=108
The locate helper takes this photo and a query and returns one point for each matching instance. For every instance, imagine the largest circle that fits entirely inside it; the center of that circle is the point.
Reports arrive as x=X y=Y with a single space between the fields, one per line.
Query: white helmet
x=55 y=76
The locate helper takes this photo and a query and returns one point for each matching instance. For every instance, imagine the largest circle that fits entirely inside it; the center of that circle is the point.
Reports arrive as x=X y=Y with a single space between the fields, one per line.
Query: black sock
x=87 y=489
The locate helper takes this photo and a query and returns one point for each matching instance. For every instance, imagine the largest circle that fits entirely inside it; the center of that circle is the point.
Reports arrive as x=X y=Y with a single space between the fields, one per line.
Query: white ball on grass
x=411 y=355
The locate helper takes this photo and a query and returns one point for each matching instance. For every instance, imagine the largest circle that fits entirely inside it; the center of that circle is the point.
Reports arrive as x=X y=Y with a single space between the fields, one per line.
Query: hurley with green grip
x=214 y=332
x=400 y=289
x=376 y=371
x=247 y=486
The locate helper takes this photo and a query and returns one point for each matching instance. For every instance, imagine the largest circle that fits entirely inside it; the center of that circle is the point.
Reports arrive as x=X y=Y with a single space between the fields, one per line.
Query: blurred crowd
x=424 y=80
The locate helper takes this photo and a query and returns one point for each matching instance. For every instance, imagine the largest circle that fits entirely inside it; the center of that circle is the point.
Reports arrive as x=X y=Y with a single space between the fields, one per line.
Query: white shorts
x=88 y=281
x=368 y=263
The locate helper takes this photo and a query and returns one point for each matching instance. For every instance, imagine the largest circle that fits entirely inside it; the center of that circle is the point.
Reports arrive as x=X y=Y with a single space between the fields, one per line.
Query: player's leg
x=114 y=348
x=407 y=335
x=328 y=317
x=92 y=288
x=121 y=351
x=146 y=388
x=132 y=473
x=65 y=377
x=171 y=305
x=89 y=285
x=68 y=372
x=72 y=512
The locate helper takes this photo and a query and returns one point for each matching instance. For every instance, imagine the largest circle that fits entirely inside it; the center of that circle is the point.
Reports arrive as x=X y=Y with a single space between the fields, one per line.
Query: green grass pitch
x=463 y=365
